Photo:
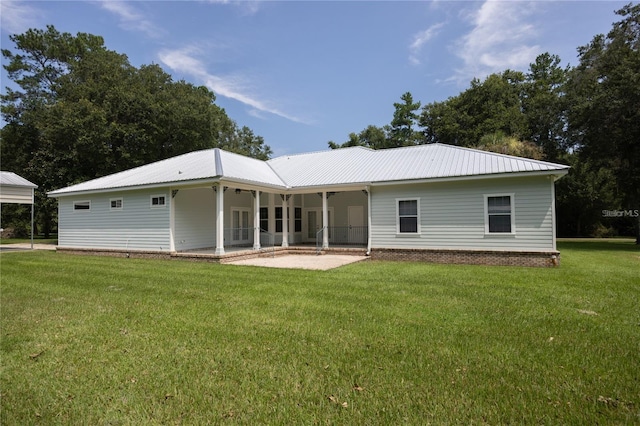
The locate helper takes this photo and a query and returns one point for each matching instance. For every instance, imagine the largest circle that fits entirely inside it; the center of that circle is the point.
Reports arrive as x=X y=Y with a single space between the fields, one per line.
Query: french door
x=313 y=224
x=240 y=230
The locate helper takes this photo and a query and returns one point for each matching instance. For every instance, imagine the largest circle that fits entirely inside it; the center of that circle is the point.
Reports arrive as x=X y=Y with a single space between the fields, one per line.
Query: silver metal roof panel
x=192 y=166
x=346 y=166
x=12 y=179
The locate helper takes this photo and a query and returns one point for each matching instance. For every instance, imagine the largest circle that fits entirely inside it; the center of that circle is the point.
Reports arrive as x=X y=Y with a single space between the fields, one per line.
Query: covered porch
x=228 y=217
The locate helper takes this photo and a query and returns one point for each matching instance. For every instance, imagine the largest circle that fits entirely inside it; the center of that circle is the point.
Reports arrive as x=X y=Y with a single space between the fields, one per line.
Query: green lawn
x=97 y=340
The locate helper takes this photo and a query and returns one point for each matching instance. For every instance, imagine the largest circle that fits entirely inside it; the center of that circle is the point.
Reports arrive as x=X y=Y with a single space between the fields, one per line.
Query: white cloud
x=16 y=17
x=233 y=87
x=248 y=7
x=420 y=40
x=502 y=37
x=130 y=18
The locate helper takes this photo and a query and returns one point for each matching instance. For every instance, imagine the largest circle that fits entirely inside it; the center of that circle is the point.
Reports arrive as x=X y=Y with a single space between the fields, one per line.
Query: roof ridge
x=218 y=161
x=323 y=151
x=512 y=157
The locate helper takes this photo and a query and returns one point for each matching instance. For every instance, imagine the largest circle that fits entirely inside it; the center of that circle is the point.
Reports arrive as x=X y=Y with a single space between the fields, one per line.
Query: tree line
x=79 y=111
x=587 y=116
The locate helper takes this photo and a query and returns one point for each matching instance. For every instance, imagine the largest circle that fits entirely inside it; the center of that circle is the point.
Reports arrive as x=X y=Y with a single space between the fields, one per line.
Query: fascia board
x=327 y=188
x=556 y=173
x=176 y=185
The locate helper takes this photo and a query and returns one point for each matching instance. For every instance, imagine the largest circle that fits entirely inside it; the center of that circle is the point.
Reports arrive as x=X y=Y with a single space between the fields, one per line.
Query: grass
x=96 y=340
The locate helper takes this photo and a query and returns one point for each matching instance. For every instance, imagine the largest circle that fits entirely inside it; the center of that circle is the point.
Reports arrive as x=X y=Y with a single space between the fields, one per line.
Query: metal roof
x=344 y=166
x=363 y=165
x=12 y=179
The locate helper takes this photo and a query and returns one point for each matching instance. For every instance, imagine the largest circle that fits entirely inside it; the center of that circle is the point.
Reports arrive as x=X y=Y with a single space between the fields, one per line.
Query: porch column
x=256 y=219
x=325 y=221
x=285 y=221
x=219 y=219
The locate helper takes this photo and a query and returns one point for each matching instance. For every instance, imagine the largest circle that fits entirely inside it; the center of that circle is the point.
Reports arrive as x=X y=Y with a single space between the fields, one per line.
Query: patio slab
x=295 y=261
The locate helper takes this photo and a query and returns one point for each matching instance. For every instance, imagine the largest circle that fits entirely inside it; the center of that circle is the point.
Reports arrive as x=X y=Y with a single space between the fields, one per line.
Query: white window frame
x=158 y=206
x=418 y=229
x=241 y=231
x=297 y=220
x=87 y=202
x=111 y=200
x=512 y=200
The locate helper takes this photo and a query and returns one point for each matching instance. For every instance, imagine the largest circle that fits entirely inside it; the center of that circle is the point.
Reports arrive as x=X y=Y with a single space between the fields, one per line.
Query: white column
x=256 y=220
x=325 y=220
x=220 y=219
x=285 y=221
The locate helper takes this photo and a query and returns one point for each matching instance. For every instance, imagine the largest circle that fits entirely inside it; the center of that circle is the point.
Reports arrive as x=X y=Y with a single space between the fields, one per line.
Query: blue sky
x=302 y=73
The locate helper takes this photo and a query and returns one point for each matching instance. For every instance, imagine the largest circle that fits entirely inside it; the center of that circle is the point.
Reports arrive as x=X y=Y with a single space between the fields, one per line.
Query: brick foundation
x=474 y=257
x=133 y=254
x=196 y=256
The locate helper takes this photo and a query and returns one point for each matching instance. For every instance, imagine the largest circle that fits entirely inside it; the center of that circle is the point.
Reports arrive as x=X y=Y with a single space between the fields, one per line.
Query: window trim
x=78 y=202
x=111 y=200
x=512 y=213
x=279 y=220
x=264 y=218
x=158 y=206
x=297 y=221
x=418 y=228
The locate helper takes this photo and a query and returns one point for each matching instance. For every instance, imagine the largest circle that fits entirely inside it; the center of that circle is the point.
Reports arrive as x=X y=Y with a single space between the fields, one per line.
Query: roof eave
x=556 y=173
x=172 y=184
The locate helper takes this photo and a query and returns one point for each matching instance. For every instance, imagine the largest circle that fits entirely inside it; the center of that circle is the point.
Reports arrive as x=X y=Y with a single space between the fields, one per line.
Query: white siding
x=195 y=219
x=16 y=194
x=452 y=215
x=136 y=226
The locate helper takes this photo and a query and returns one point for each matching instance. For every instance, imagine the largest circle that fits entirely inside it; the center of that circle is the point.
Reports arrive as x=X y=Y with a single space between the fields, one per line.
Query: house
x=15 y=189
x=437 y=203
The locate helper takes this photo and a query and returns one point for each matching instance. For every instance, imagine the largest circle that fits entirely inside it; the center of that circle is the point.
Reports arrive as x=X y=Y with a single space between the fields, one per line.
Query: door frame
x=242 y=230
x=305 y=223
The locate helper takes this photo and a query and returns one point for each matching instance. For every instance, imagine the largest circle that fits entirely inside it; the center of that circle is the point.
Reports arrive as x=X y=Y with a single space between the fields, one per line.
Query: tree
x=82 y=111
x=372 y=137
x=401 y=131
x=405 y=117
x=509 y=145
x=604 y=116
x=544 y=105
x=487 y=107
x=582 y=195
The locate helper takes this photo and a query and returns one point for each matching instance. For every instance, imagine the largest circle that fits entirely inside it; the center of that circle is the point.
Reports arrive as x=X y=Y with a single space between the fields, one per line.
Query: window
x=81 y=205
x=278 y=219
x=298 y=219
x=158 y=201
x=264 y=219
x=499 y=214
x=116 y=203
x=408 y=213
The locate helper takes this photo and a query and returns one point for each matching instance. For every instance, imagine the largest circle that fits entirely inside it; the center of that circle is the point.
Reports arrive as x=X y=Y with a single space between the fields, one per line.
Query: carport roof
x=12 y=179
x=346 y=166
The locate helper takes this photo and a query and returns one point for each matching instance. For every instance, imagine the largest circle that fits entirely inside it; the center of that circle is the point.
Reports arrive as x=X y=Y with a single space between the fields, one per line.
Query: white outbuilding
x=15 y=189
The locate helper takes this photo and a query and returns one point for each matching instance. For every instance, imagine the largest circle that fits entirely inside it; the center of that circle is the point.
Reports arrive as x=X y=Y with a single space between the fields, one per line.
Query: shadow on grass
x=604 y=244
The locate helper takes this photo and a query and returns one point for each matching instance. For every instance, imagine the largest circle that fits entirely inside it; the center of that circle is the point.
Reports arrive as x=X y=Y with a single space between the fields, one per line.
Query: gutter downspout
x=368 y=189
